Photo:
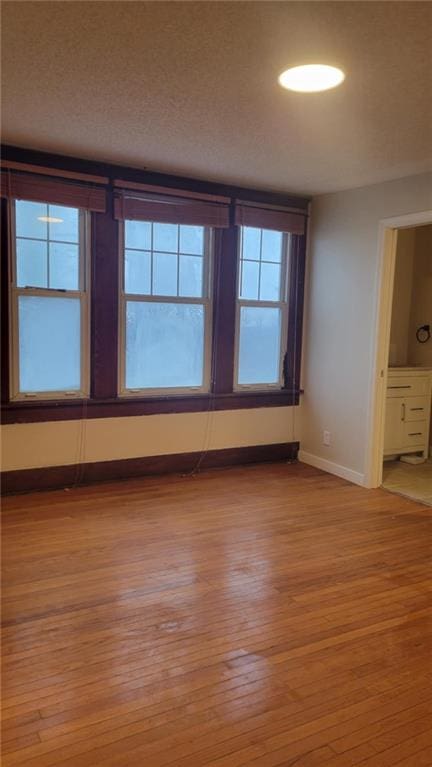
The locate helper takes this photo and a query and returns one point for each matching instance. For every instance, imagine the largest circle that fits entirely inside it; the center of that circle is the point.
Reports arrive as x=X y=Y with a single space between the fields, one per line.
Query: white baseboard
x=332 y=468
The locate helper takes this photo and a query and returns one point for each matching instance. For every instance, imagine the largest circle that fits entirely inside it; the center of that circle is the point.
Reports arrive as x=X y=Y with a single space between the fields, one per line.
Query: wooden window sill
x=61 y=410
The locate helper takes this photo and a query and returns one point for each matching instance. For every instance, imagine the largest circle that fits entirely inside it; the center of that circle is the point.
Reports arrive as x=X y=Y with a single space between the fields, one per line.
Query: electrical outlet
x=326 y=438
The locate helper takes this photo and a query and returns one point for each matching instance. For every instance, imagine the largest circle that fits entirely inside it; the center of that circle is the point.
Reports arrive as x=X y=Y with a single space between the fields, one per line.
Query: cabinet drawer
x=416 y=408
x=414 y=434
x=404 y=386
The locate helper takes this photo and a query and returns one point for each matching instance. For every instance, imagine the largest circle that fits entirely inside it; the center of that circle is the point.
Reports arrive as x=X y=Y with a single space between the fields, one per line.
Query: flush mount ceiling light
x=311 y=78
x=50 y=220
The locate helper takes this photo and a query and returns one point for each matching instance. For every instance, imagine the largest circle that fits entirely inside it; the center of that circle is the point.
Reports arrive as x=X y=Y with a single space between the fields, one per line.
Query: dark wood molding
x=104 y=305
x=26 y=480
x=34 y=412
x=51 y=172
x=145 y=176
x=4 y=298
x=224 y=303
x=295 y=312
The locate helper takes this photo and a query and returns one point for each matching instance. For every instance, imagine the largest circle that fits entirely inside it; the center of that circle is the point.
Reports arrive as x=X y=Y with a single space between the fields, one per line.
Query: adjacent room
x=408 y=436
x=216 y=383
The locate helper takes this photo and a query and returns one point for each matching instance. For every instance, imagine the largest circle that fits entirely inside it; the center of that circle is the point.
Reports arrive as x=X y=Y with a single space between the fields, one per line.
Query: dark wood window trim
x=104 y=308
x=30 y=412
x=144 y=176
x=4 y=297
x=104 y=401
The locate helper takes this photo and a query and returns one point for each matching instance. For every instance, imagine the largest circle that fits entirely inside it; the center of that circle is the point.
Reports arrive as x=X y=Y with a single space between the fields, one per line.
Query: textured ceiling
x=191 y=88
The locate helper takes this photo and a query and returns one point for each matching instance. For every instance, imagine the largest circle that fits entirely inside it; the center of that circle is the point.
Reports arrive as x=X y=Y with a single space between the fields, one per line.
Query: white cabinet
x=408 y=410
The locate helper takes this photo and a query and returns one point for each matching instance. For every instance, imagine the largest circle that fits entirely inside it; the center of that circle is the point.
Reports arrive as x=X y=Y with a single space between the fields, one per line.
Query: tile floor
x=412 y=481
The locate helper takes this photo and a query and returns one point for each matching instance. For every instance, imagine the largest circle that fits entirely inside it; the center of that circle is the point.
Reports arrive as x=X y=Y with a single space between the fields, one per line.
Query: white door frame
x=387 y=241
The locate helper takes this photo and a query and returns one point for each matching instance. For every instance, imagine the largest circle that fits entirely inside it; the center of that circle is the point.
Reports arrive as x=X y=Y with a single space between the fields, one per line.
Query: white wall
x=60 y=443
x=339 y=323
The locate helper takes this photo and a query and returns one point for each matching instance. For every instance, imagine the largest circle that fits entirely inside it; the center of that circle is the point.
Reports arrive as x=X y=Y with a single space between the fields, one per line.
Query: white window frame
x=282 y=304
x=84 y=296
x=205 y=301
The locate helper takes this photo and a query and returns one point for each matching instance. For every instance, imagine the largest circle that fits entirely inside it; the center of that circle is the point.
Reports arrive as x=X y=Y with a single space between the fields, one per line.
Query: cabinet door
x=393 y=434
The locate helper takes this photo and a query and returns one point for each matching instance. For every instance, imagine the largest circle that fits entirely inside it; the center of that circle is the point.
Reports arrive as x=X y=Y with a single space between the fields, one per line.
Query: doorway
x=391 y=361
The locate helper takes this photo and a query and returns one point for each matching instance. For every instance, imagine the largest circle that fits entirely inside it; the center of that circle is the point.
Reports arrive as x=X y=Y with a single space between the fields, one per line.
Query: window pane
x=137 y=272
x=250 y=280
x=190 y=279
x=49 y=344
x=138 y=234
x=64 y=266
x=165 y=237
x=271 y=245
x=270 y=282
x=66 y=227
x=259 y=345
x=164 y=345
x=164 y=274
x=27 y=216
x=192 y=239
x=251 y=243
x=32 y=263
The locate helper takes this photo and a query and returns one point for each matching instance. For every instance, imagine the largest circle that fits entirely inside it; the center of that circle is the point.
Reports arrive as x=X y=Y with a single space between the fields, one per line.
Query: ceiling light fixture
x=50 y=220
x=311 y=78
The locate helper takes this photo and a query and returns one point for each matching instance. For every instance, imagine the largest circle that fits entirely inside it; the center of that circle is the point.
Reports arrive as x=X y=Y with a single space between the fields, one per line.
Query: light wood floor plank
x=263 y=616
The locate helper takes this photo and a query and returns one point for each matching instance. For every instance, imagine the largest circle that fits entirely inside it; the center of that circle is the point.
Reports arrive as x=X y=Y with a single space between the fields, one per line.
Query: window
x=48 y=301
x=262 y=308
x=165 y=308
x=195 y=299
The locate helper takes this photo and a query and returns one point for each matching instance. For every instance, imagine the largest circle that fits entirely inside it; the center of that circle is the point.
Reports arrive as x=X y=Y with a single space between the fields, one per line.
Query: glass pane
x=65 y=225
x=64 y=266
x=32 y=263
x=138 y=234
x=270 y=282
x=137 y=272
x=164 y=274
x=259 y=345
x=271 y=245
x=49 y=344
x=165 y=237
x=250 y=280
x=251 y=243
x=190 y=279
x=164 y=345
x=27 y=221
x=192 y=239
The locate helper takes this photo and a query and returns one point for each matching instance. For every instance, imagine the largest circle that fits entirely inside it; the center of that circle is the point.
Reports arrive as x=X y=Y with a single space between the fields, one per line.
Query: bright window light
x=50 y=300
x=166 y=307
x=50 y=219
x=311 y=78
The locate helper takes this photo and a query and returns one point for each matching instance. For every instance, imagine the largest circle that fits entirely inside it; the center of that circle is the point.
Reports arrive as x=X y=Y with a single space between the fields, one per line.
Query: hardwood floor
x=266 y=615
